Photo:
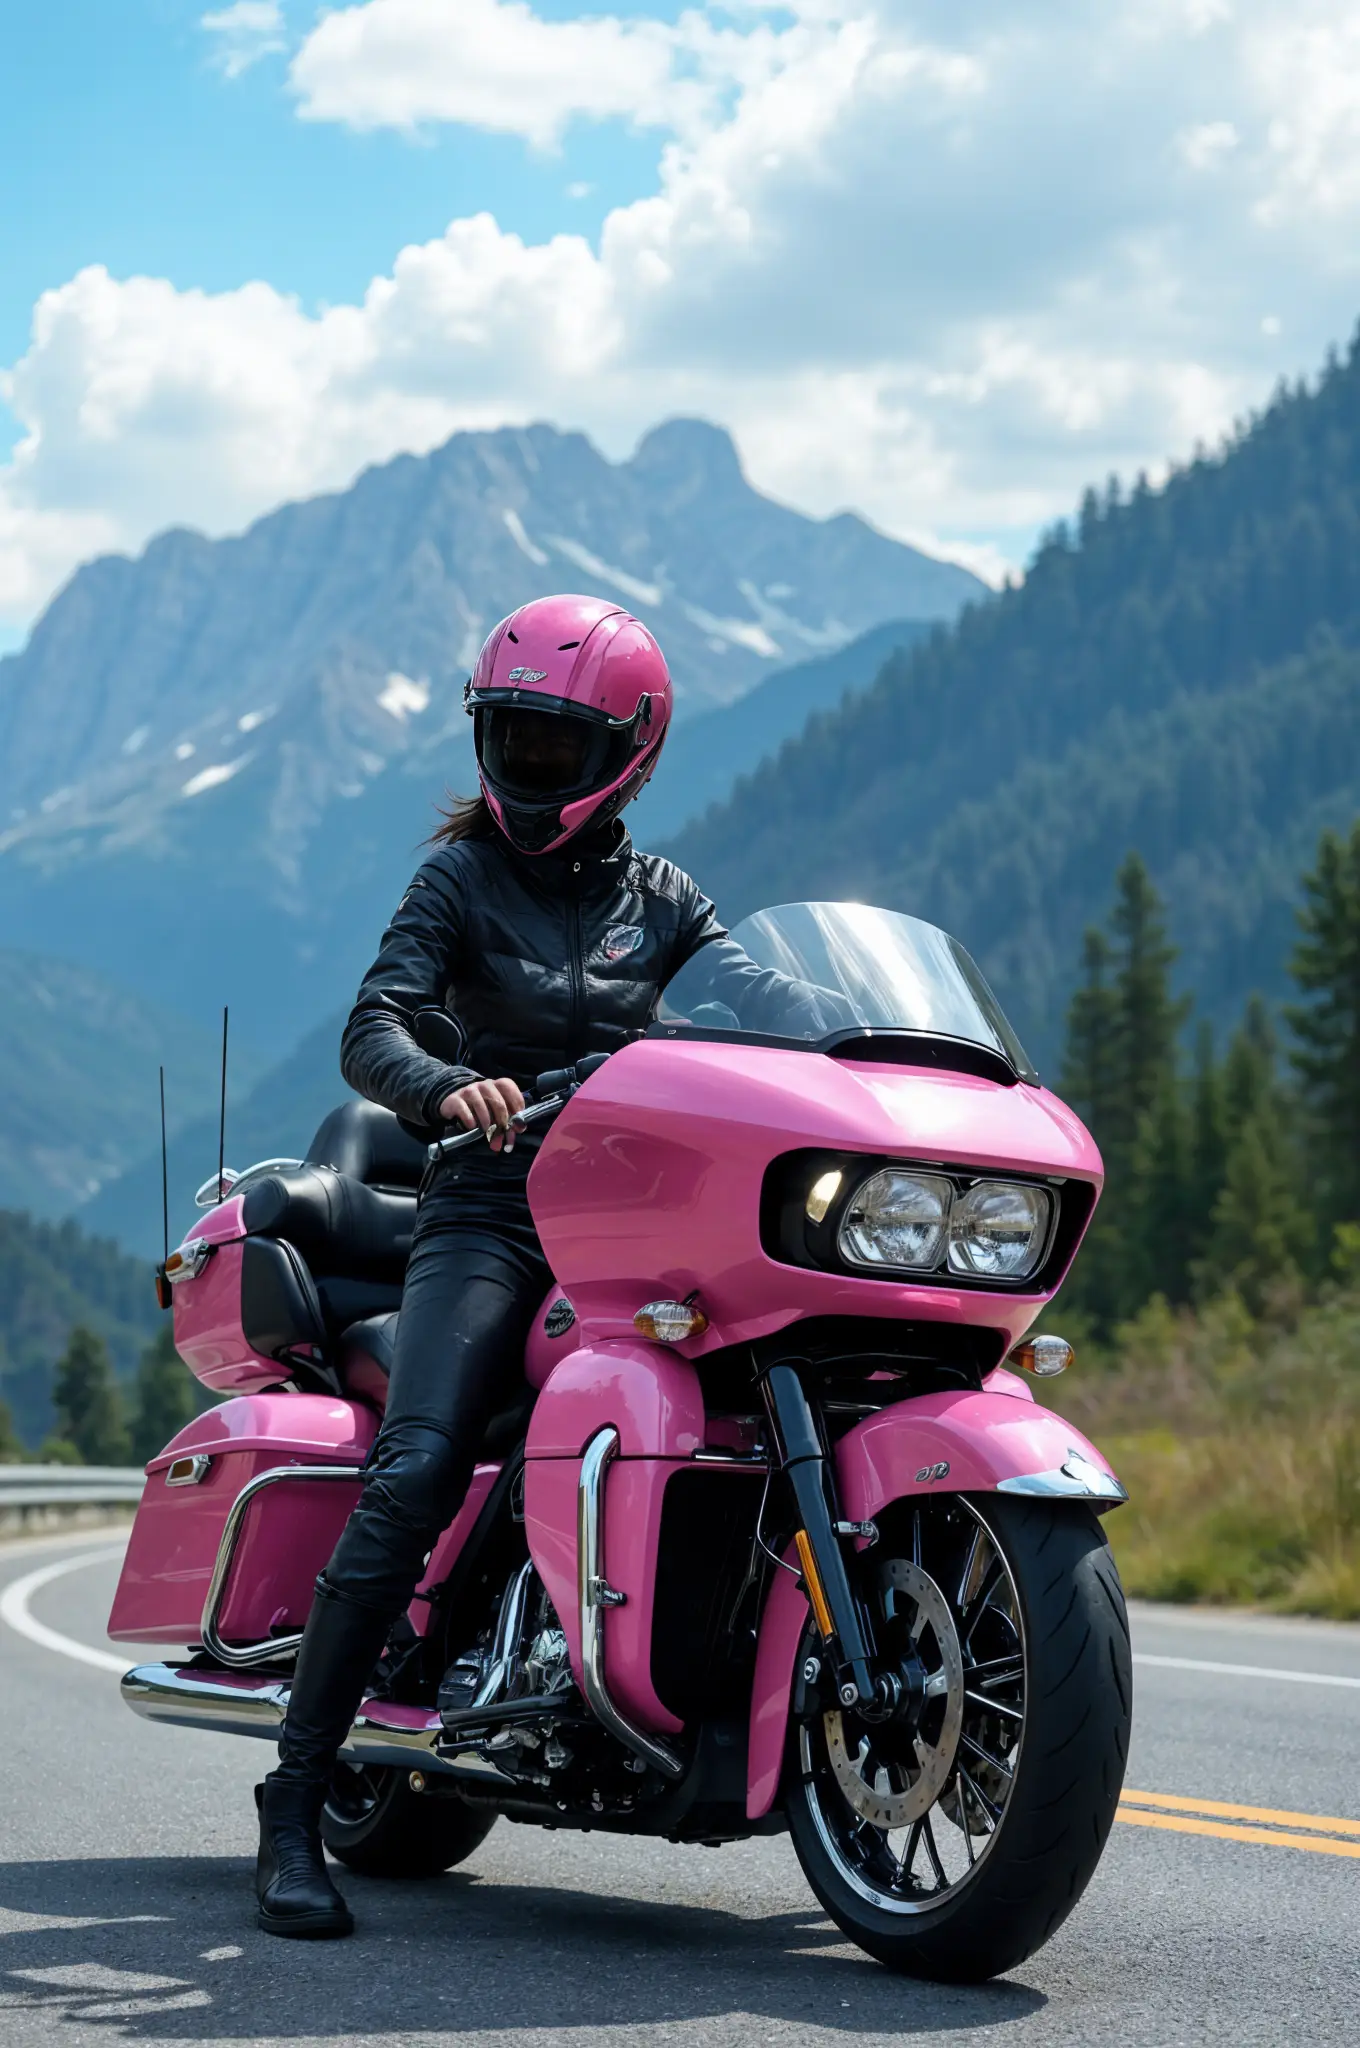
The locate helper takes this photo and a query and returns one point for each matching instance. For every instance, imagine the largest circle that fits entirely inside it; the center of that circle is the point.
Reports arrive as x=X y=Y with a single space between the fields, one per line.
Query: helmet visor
x=537 y=756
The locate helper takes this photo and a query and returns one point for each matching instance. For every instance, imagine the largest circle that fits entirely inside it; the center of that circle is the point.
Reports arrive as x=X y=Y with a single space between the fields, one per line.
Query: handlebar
x=550 y=1092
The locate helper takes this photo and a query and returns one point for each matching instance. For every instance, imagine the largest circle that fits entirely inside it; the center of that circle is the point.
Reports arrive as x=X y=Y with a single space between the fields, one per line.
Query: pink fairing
x=651 y=1396
x=649 y=1184
x=971 y=1443
x=654 y=1401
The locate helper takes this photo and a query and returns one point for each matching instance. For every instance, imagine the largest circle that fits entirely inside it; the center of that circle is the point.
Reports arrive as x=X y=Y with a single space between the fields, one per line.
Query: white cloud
x=1206 y=144
x=245 y=32
x=942 y=265
x=492 y=63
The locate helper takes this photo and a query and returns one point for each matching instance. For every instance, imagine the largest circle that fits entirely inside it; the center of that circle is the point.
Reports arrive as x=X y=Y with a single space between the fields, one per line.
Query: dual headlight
x=922 y=1223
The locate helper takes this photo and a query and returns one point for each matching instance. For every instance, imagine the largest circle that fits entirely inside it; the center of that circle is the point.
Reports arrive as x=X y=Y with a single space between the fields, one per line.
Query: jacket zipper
x=577 y=966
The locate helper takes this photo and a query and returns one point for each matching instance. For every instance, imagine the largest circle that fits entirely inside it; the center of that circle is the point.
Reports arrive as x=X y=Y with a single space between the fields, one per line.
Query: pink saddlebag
x=288 y=1532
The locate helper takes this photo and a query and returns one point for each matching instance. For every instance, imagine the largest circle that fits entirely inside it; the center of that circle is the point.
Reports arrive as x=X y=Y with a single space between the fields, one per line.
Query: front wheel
x=375 y=1823
x=951 y=1842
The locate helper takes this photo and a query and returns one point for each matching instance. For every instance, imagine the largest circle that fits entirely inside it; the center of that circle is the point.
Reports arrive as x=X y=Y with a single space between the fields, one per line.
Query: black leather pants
x=476 y=1275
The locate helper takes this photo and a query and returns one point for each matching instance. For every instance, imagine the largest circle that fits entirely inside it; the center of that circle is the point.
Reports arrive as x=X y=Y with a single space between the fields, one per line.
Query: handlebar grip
x=560 y=1080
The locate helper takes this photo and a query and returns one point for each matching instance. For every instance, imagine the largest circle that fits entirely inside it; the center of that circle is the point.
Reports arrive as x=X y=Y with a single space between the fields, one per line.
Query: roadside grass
x=1239 y=1442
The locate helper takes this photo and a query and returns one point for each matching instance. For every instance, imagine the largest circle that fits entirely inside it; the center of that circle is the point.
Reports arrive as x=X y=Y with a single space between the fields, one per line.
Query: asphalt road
x=1227 y=1907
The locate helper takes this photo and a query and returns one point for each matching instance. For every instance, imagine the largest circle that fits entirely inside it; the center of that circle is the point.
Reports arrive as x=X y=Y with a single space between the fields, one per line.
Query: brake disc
x=935 y=1639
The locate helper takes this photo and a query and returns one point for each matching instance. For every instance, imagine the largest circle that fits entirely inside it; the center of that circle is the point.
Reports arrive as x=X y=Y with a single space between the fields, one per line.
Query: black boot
x=341 y=1644
x=296 y=1895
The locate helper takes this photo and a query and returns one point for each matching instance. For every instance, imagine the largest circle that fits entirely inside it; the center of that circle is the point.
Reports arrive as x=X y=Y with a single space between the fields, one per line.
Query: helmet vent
x=566 y=644
x=512 y=636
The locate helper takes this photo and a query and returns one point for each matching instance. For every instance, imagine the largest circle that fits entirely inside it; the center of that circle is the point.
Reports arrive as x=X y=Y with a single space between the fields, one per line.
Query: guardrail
x=43 y=1495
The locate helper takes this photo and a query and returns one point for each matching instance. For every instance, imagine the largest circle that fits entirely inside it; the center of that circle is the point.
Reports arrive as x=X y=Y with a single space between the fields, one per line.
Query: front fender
x=978 y=1442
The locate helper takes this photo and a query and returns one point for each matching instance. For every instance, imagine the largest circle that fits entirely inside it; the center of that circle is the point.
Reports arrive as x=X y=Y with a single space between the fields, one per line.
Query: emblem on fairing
x=559 y=1318
x=621 y=940
x=929 y=1472
x=528 y=675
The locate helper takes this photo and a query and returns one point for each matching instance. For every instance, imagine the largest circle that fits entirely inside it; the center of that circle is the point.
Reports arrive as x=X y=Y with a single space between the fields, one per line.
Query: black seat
x=368 y=1144
x=367 y=1350
x=338 y=1224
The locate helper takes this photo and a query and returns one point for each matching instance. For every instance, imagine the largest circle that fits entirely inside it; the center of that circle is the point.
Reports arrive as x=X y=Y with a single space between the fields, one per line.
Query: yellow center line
x=1182 y=1824
x=1221 y=1810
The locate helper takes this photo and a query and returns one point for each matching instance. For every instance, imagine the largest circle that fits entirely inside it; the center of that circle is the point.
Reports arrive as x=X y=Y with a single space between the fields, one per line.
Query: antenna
x=165 y=1183
x=222 y=1117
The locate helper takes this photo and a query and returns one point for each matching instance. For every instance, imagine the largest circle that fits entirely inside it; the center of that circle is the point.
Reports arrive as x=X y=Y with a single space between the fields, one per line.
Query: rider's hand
x=487 y=1106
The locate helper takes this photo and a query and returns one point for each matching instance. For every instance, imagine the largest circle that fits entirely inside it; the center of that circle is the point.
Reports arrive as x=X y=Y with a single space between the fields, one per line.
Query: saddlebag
x=286 y=1532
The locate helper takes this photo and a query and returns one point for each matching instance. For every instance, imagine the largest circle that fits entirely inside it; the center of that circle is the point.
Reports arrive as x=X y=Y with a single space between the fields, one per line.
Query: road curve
x=1225 y=1909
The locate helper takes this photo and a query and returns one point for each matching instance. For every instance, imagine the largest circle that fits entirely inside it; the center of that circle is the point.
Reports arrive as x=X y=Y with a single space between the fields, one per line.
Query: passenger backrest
x=370 y=1145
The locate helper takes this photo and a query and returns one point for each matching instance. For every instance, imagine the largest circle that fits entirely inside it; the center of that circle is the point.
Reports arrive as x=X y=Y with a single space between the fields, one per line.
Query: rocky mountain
x=217 y=762
x=78 y=1081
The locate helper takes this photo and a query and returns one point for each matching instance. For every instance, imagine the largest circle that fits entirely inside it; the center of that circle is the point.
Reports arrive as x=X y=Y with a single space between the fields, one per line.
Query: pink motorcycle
x=778 y=1537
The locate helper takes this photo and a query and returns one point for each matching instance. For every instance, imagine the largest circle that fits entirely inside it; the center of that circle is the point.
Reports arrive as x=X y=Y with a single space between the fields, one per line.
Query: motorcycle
x=778 y=1537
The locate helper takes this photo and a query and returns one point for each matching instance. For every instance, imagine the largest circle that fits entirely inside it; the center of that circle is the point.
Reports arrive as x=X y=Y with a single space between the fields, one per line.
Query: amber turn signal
x=1045 y=1357
x=670 y=1322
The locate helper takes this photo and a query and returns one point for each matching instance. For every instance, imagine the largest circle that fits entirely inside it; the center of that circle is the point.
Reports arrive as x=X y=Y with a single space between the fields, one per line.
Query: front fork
x=844 y=1626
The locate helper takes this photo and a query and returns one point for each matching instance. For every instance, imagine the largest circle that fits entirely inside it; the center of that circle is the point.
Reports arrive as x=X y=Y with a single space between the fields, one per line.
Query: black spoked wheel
x=375 y=1823
x=951 y=1841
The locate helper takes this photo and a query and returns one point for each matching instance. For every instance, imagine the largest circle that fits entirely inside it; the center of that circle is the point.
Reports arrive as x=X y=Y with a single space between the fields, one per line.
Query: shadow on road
x=164 y=1948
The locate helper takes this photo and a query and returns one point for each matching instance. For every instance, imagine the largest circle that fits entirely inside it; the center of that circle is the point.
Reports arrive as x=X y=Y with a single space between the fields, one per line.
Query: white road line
x=14 y=1610
x=1246 y=1670
x=15 y=1598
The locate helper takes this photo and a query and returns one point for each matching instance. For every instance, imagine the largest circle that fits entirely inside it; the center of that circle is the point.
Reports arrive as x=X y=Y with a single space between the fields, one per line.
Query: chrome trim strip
x=595 y=1594
x=1075 y=1479
x=239 y=1656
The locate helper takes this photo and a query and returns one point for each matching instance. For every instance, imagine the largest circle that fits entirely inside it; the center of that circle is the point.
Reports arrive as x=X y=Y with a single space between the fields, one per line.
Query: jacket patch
x=622 y=939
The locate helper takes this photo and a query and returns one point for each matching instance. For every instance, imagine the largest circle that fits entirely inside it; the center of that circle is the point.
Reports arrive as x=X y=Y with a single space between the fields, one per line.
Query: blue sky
x=122 y=143
x=944 y=266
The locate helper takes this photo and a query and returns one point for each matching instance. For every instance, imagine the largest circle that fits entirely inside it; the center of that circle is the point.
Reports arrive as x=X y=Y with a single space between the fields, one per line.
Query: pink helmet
x=598 y=670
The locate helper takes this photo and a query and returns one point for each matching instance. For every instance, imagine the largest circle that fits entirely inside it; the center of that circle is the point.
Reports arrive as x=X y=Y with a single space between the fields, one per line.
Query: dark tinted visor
x=541 y=754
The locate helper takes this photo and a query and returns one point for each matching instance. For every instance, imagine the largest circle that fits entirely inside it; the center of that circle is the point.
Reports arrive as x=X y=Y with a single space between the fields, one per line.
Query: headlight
x=897 y=1219
x=998 y=1230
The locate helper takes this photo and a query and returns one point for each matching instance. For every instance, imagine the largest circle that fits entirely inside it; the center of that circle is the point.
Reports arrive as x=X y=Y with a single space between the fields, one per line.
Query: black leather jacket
x=538 y=961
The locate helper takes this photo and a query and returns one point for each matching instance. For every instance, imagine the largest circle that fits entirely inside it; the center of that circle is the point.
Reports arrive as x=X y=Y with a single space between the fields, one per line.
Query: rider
x=547 y=936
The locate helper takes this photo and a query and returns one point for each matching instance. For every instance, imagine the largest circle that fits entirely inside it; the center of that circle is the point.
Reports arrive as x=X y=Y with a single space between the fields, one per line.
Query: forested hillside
x=52 y=1278
x=1178 y=673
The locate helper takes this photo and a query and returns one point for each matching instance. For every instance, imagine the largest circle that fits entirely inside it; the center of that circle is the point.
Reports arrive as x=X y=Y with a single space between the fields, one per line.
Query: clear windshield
x=808 y=970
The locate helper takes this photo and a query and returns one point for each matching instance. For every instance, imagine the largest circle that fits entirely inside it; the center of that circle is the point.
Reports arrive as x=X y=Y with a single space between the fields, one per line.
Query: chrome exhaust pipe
x=242 y=1703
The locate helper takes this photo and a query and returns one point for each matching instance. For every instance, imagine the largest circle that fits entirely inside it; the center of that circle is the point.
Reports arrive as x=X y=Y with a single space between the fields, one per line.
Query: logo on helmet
x=528 y=675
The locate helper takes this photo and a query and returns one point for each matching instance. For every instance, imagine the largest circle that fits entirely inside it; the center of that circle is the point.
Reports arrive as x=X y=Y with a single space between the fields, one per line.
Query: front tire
x=952 y=1848
x=376 y=1824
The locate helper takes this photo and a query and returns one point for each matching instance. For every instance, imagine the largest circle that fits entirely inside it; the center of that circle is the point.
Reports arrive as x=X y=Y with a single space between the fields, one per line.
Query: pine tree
x=164 y=1397
x=1090 y=1074
x=11 y=1450
x=1149 y=1019
x=1326 y=966
x=1209 y=1140
x=85 y=1396
x=1261 y=1233
x=1120 y=1073
x=1159 y=1226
